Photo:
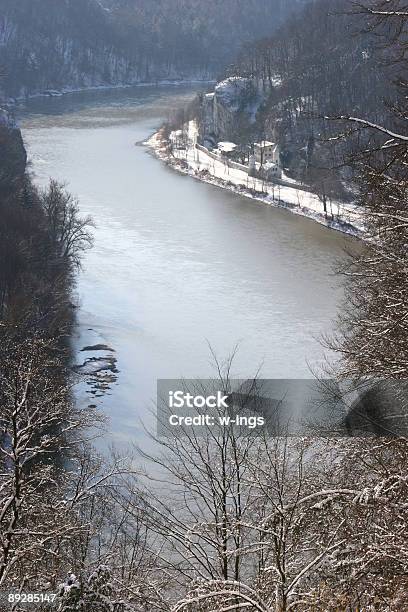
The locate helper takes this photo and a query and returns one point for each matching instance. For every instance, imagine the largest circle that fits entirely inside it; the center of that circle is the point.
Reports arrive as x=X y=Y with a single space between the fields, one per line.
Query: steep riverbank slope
x=42 y=238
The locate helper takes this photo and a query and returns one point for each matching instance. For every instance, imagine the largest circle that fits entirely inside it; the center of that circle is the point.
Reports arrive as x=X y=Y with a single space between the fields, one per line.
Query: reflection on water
x=178 y=264
x=100 y=108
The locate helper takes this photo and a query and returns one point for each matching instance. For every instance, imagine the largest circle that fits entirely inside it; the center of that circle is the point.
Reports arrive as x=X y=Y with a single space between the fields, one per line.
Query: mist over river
x=177 y=264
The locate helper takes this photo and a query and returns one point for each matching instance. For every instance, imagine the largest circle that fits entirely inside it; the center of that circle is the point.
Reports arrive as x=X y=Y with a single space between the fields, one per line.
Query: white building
x=271 y=171
x=178 y=139
x=267 y=153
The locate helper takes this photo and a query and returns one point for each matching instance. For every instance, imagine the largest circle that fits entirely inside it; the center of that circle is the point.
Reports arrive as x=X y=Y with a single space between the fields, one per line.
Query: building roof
x=227 y=147
x=265 y=143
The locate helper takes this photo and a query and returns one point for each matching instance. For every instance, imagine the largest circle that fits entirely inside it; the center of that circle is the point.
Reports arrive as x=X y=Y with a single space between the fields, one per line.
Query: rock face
x=229 y=112
x=13 y=156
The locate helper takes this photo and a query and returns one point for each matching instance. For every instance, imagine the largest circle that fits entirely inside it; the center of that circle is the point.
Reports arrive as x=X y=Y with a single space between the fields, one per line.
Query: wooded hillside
x=52 y=45
x=323 y=62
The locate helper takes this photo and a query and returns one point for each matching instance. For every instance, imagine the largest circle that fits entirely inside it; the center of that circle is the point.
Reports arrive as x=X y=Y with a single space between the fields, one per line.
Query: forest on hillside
x=223 y=521
x=323 y=63
x=205 y=36
x=47 y=45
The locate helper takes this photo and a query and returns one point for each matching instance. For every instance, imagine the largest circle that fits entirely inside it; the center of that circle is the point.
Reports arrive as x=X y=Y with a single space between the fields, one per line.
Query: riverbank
x=54 y=93
x=176 y=263
x=200 y=164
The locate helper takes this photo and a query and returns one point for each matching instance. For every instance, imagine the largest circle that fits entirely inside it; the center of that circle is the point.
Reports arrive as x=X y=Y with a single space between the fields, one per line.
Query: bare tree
x=69 y=233
x=374 y=336
x=37 y=422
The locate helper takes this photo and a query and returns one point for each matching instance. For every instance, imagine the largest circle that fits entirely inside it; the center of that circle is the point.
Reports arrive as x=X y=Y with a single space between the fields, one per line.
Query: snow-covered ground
x=341 y=216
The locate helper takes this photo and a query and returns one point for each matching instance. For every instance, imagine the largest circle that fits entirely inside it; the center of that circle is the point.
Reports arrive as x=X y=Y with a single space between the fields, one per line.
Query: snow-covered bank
x=200 y=164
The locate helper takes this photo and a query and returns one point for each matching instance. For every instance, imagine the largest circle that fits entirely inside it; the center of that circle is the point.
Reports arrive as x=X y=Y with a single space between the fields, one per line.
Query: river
x=177 y=264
